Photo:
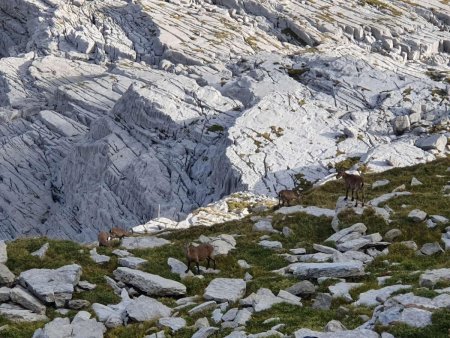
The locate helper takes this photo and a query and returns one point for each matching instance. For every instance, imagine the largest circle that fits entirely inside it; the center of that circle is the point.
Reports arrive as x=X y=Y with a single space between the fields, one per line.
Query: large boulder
x=336 y=270
x=52 y=286
x=225 y=290
x=152 y=285
x=6 y=276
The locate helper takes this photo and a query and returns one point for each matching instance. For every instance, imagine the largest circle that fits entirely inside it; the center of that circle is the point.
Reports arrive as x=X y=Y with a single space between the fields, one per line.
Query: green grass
x=307 y=230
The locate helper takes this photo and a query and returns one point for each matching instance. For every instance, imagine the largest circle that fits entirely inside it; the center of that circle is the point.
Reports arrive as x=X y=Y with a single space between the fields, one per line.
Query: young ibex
x=286 y=196
x=104 y=239
x=353 y=182
x=199 y=253
x=119 y=232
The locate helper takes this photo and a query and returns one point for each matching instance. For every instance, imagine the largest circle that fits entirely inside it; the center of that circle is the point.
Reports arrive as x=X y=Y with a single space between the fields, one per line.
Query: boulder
x=230 y=315
x=207 y=306
x=353 y=245
x=322 y=301
x=99 y=259
x=392 y=234
x=20 y=296
x=152 y=285
x=122 y=253
x=85 y=285
x=205 y=332
x=271 y=244
x=307 y=333
x=52 y=286
x=18 y=314
x=334 y=326
x=132 y=262
x=178 y=267
x=375 y=297
x=4 y=294
x=147 y=309
x=6 y=276
x=358 y=228
x=304 y=289
x=432 y=142
x=439 y=219
x=225 y=290
x=242 y=317
x=144 y=242
x=336 y=270
x=380 y=183
x=431 y=248
x=243 y=264
x=342 y=290
x=417 y=215
x=430 y=277
x=415 y=182
x=264 y=225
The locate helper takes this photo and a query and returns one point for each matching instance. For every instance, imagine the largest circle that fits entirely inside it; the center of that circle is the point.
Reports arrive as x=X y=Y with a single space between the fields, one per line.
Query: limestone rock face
x=152 y=285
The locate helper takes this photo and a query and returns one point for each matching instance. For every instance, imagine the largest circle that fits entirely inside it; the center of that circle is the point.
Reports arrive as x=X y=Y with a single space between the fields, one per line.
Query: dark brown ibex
x=104 y=239
x=117 y=232
x=353 y=182
x=199 y=253
x=286 y=196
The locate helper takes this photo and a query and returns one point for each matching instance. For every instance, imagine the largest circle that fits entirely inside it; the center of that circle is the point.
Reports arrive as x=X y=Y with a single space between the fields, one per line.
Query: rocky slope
x=279 y=272
x=115 y=112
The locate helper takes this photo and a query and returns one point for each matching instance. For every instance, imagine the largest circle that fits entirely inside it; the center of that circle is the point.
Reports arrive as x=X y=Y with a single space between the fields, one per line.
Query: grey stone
x=178 y=267
x=225 y=289
x=152 y=285
x=271 y=244
x=289 y=297
x=201 y=322
x=319 y=257
x=264 y=225
x=430 y=277
x=4 y=294
x=439 y=219
x=207 y=306
x=242 y=317
x=243 y=264
x=122 y=253
x=316 y=270
x=20 y=296
x=99 y=259
x=248 y=277
x=401 y=124
x=307 y=333
x=324 y=249
x=415 y=182
x=298 y=251
x=146 y=309
x=216 y=316
x=410 y=244
x=132 y=262
x=205 y=332
x=392 y=234
x=6 y=276
x=380 y=183
x=230 y=315
x=111 y=317
x=375 y=297
x=113 y=284
x=431 y=248
x=85 y=285
x=432 y=142
x=174 y=323
x=334 y=326
x=342 y=290
x=304 y=289
x=41 y=252
x=78 y=304
x=3 y=253
x=145 y=242
x=52 y=286
x=359 y=228
x=353 y=245
x=287 y=232
x=322 y=301
x=18 y=314
x=417 y=215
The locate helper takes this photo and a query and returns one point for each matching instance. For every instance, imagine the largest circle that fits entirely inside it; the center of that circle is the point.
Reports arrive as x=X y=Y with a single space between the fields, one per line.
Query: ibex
x=119 y=232
x=286 y=196
x=199 y=253
x=104 y=239
x=353 y=182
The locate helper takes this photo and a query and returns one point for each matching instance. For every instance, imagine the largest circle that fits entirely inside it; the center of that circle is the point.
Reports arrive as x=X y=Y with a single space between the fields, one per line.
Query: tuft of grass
x=216 y=128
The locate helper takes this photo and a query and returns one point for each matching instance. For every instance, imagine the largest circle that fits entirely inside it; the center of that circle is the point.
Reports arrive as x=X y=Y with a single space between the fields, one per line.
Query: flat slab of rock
x=303 y=288
x=311 y=210
x=99 y=259
x=359 y=229
x=18 y=314
x=146 y=309
x=337 y=270
x=432 y=142
x=307 y=333
x=145 y=242
x=342 y=290
x=20 y=296
x=431 y=248
x=178 y=267
x=152 y=285
x=52 y=286
x=205 y=332
x=271 y=244
x=225 y=290
x=206 y=306
x=122 y=253
x=174 y=323
x=380 y=183
x=386 y=197
x=132 y=262
x=431 y=277
x=264 y=225
x=375 y=297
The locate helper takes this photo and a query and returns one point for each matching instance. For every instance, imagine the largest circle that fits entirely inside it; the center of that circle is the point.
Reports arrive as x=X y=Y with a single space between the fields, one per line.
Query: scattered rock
x=225 y=290
x=20 y=296
x=19 y=314
x=3 y=253
x=207 y=306
x=271 y=244
x=431 y=248
x=78 y=304
x=432 y=142
x=264 y=225
x=174 y=323
x=145 y=242
x=205 y=332
x=430 y=277
x=316 y=270
x=380 y=183
x=243 y=264
x=375 y=297
x=6 y=276
x=152 y=285
x=122 y=253
x=439 y=219
x=201 y=322
x=392 y=234
x=342 y=290
x=415 y=182
x=85 y=285
x=146 y=309
x=41 y=252
x=304 y=289
x=334 y=326
x=132 y=262
x=417 y=215
x=322 y=301
x=52 y=286
x=307 y=333
x=178 y=267
x=99 y=259
x=298 y=251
